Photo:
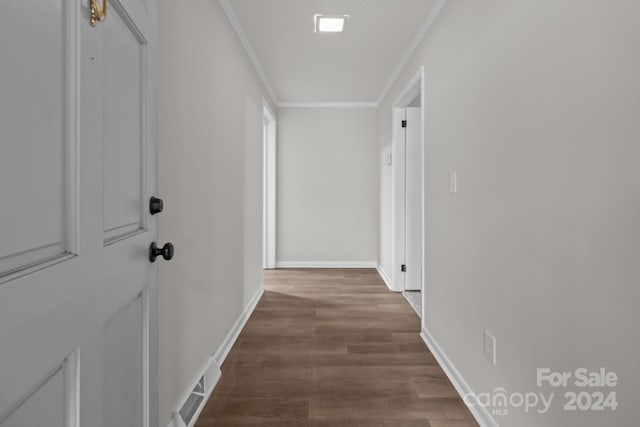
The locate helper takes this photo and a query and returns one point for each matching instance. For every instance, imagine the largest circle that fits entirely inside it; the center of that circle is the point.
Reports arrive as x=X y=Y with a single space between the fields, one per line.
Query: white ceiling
x=353 y=66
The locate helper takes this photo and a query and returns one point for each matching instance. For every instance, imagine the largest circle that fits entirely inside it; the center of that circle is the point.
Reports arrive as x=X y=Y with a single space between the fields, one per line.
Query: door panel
x=41 y=398
x=123 y=143
x=413 y=212
x=35 y=135
x=45 y=407
x=123 y=366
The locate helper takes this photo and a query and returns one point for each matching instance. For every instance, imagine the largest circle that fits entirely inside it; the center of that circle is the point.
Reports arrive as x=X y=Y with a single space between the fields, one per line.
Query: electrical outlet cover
x=453 y=182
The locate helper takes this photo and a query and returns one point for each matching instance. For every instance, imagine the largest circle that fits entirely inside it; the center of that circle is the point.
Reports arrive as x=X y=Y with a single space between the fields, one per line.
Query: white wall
x=210 y=177
x=536 y=105
x=327 y=185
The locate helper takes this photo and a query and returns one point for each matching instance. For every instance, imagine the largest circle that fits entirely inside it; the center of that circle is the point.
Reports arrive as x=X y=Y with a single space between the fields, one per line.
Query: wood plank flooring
x=332 y=348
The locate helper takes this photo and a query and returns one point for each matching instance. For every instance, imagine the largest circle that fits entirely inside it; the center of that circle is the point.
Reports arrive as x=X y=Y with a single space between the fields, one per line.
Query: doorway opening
x=269 y=187
x=408 y=190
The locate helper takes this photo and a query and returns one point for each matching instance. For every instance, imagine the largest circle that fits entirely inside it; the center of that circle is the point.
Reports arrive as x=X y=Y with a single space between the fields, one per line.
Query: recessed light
x=330 y=23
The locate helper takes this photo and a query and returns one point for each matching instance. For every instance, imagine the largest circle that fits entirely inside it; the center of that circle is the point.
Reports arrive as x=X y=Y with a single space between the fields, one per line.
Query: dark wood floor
x=332 y=348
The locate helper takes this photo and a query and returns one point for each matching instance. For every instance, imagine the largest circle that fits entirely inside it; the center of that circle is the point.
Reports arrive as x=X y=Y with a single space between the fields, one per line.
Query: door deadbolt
x=156 y=205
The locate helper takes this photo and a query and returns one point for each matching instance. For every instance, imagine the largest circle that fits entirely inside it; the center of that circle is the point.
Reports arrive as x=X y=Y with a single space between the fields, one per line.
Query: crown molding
x=235 y=23
x=327 y=105
x=411 y=49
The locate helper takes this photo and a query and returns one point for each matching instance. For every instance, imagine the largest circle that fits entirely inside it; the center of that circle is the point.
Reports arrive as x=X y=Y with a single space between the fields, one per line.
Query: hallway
x=319 y=212
x=332 y=347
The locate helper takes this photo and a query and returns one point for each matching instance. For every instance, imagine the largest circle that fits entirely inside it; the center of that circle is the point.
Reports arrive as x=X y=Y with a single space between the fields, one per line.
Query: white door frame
x=269 y=187
x=414 y=88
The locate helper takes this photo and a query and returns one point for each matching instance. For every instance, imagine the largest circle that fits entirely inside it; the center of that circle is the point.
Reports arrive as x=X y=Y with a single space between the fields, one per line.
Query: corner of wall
x=385 y=277
x=480 y=413
x=224 y=349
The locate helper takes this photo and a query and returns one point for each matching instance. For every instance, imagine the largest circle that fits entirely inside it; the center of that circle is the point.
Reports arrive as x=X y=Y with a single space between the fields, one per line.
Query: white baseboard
x=211 y=369
x=385 y=277
x=326 y=264
x=480 y=413
x=232 y=336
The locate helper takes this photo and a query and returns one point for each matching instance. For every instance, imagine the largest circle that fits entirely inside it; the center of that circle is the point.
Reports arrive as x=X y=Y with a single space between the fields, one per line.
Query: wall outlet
x=490 y=347
x=453 y=182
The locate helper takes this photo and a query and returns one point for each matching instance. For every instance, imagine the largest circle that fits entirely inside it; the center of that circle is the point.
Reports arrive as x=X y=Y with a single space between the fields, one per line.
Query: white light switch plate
x=453 y=182
x=490 y=347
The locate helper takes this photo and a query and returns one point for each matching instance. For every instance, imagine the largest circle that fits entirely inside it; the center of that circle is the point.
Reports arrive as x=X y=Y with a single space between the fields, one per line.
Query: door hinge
x=404 y=123
x=403 y=268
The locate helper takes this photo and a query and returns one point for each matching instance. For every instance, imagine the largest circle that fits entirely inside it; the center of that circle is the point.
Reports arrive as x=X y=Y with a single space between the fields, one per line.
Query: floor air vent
x=192 y=404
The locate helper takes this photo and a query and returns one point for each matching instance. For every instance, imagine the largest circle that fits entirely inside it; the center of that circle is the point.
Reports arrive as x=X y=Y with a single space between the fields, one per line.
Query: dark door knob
x=166 y=251
x=155 y=205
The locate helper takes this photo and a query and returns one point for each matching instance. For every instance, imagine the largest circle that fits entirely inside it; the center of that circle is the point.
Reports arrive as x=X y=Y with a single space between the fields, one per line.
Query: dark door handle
x=166 y=251
x=155 y=205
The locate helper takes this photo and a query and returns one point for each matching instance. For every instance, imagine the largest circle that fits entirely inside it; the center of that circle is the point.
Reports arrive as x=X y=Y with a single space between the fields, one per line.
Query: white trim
x=385 y=278
x=265 y=104
x=480 y=413
x=72 y=389
x=327 y=105
x=232 y=336
x=411 y=90
x=235 y=23
x=147 y=371
x=423 y=227
x=269 y=186
x=422 y=32
x=326 y=264
x=73 y=125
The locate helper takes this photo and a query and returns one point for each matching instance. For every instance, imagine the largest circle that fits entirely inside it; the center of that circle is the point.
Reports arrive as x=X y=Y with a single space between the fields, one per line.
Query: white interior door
x=413 y=199
x=77 y=169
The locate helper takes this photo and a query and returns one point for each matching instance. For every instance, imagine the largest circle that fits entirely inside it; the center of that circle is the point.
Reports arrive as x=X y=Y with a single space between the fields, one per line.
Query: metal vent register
x=193 y=402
